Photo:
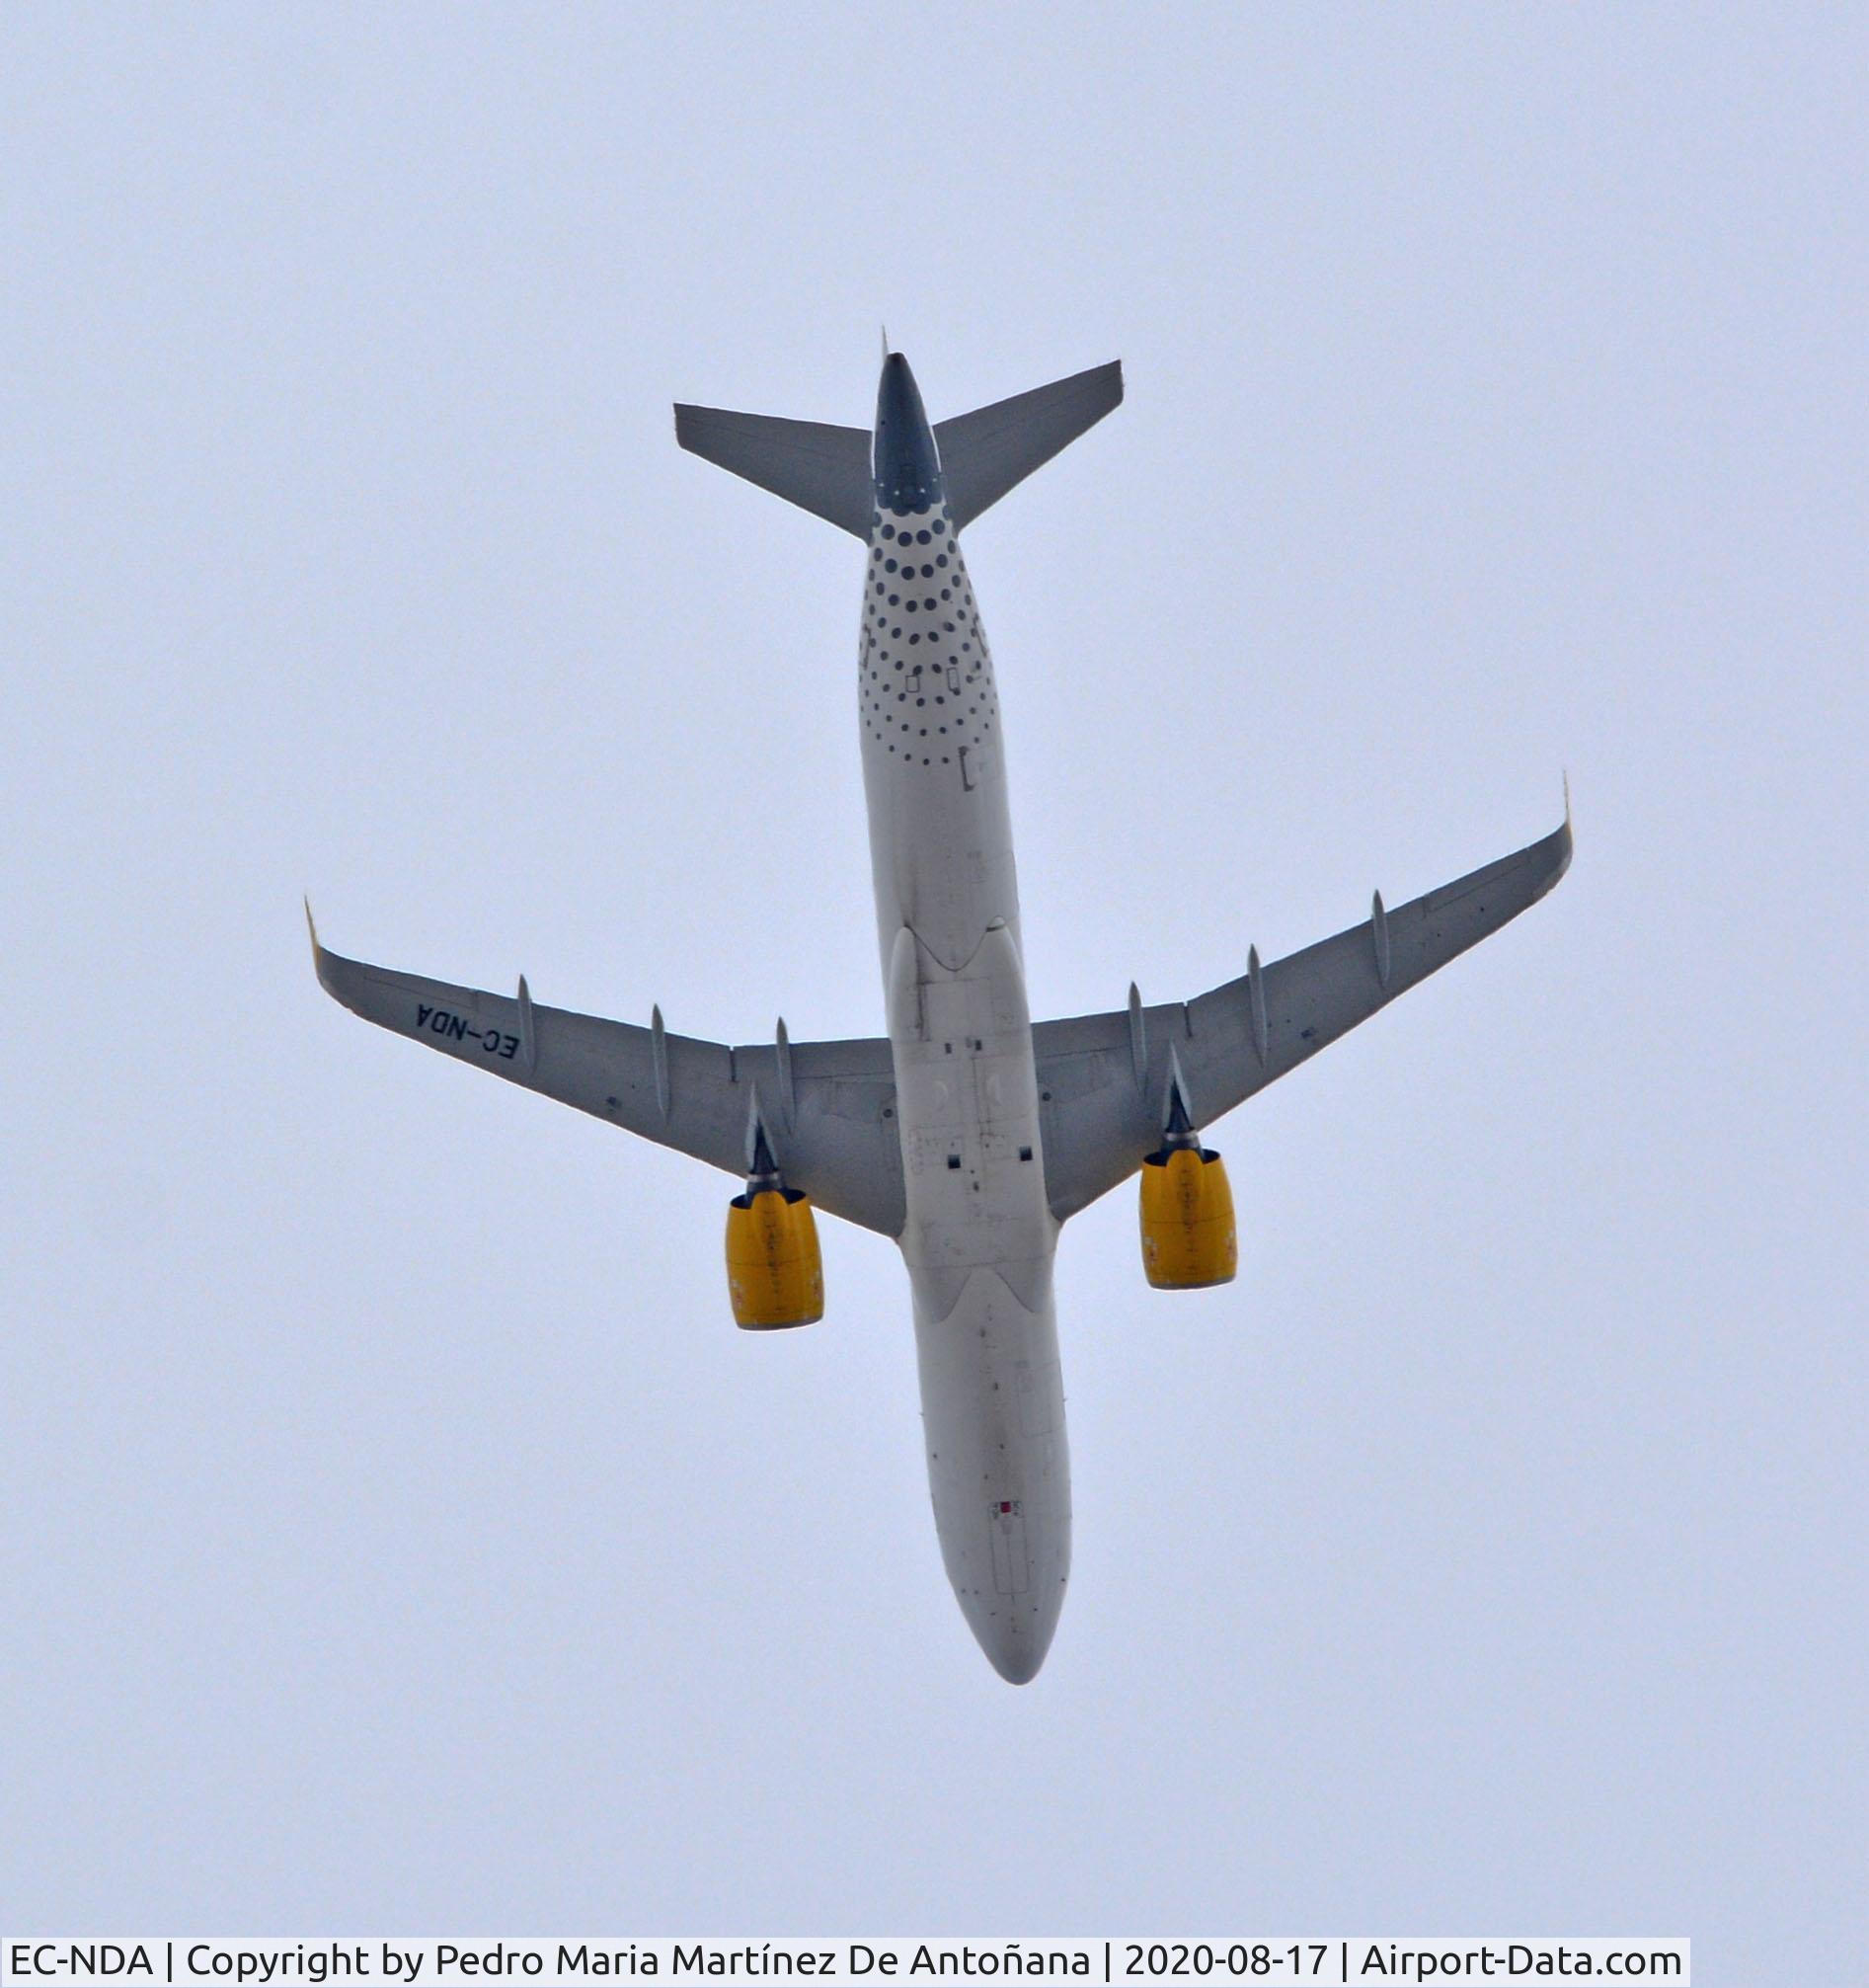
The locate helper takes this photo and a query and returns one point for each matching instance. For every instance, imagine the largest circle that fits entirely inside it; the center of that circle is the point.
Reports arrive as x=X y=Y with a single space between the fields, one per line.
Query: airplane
x=967 y=1133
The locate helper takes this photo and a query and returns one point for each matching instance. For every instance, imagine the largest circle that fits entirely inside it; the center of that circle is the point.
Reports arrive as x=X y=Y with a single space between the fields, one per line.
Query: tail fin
x=985 y=452
x=825 y=470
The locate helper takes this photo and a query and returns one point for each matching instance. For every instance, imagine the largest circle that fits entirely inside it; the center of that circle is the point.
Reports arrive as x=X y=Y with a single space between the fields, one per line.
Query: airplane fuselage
x=936 y=1137
x=981 y=1237
x=937 y=1134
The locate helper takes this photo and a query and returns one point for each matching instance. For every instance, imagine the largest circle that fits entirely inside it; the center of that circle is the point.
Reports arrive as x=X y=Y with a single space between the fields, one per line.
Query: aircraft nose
x=1015 y=1640
x=907 y=467
x=1016 y=1663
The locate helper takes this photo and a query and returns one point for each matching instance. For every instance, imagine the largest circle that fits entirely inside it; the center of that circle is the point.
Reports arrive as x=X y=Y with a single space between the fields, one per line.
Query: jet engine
x=775 y=1275
x=1189 y=1240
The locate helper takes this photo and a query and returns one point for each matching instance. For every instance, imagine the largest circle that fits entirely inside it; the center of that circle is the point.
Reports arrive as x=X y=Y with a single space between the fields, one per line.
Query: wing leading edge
x=1103 y=1078
x=828 y=1107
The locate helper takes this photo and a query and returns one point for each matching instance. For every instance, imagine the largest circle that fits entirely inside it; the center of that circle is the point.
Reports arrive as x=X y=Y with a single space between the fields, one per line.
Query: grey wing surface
x=828 y=1107
x=984 y=454
x=825 y=470
x=1103 y=1078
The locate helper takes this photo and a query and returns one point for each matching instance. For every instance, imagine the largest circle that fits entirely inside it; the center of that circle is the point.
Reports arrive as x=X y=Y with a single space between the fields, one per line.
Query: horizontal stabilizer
x=822 y=469
x=985 y=452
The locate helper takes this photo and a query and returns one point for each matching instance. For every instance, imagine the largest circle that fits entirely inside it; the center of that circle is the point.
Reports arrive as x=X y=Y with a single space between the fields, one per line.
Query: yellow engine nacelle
x=1188 y=1236
x=774 y=1273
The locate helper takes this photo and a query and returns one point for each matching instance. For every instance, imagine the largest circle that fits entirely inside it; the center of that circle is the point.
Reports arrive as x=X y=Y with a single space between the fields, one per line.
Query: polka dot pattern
x=924 y=670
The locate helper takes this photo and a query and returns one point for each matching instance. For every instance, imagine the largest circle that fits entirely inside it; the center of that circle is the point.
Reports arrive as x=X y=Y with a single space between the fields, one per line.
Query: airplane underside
x=967 y=1133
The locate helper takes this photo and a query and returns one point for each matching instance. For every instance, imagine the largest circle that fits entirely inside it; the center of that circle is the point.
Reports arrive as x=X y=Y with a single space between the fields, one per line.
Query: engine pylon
x=1189 y=1239
x=775 y=1275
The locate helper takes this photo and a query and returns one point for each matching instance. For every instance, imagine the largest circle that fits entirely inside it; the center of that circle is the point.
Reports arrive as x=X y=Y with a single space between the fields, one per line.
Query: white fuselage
x=981 y=1237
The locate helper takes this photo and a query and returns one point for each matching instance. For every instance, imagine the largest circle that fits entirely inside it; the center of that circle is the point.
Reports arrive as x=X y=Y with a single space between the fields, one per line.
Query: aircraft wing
x=1103 y=1078
x=828 y=1107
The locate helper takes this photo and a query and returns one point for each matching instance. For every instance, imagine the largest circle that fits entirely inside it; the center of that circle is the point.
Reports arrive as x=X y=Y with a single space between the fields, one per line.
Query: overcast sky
x=395 y=1532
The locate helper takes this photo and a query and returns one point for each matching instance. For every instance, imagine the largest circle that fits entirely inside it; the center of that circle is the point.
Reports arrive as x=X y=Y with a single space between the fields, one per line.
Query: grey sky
x=394 y=1531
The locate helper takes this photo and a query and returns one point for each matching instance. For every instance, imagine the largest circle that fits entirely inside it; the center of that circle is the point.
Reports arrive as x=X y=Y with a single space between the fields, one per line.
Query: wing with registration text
x=828 y=1107
x=1103 y=1078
